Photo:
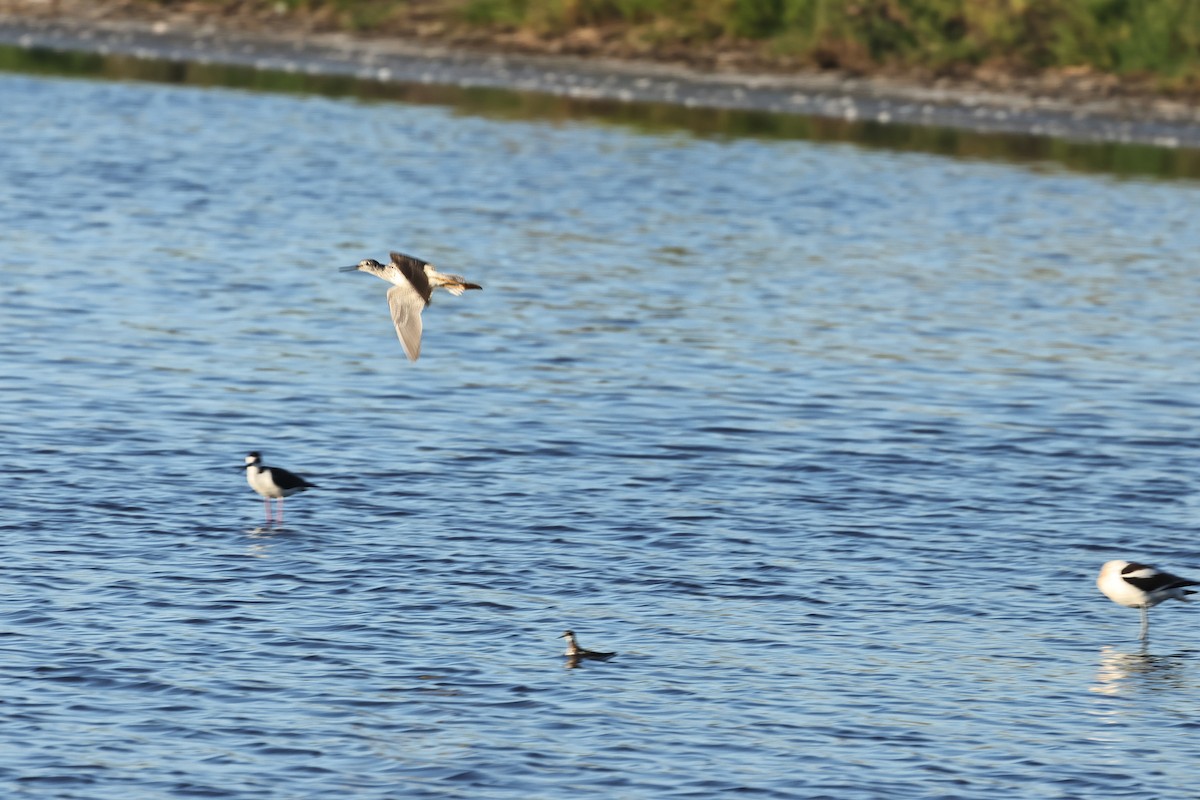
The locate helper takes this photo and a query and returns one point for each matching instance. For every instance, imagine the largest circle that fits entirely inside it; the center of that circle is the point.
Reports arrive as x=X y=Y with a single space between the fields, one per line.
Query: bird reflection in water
x=262 y=536
x=1123 y=672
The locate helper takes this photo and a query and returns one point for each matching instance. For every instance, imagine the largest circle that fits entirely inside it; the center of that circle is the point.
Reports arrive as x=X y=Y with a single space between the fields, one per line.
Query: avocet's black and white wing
x=1154 y=582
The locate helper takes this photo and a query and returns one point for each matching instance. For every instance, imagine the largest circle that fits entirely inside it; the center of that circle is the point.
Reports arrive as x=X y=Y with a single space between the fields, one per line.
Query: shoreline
x=1068 y=115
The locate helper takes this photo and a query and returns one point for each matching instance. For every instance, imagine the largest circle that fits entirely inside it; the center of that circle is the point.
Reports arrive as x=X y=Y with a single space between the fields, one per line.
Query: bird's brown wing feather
x=414 y=270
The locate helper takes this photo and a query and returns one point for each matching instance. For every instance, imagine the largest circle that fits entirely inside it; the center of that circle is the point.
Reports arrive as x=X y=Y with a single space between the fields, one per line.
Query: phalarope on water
x=414 y=282
x=1140 y=586
x=273 y=482
x=575 y=651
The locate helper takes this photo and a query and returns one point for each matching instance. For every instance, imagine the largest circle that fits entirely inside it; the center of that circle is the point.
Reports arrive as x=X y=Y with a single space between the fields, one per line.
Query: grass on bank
x=1156 y=39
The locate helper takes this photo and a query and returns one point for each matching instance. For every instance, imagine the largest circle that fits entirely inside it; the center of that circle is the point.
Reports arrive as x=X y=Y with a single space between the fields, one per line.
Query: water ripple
x=826 y=443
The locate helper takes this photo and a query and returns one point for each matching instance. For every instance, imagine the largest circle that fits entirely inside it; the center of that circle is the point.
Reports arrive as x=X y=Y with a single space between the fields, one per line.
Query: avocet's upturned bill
x=414 y=282
x=1141 y=586
x=273 y=483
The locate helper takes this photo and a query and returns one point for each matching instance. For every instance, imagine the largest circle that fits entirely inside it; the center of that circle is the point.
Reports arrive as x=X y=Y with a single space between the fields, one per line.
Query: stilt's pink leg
x=267 y=508
x=281 y=511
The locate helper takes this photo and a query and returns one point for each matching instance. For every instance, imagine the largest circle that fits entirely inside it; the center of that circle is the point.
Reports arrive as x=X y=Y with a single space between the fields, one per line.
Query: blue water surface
x=828 y=443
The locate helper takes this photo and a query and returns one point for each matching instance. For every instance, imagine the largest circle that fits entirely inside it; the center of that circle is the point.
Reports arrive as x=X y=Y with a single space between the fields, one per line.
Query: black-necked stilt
x=575 y=651
x=415 y=281
x=273 y=482
x=1140 y=586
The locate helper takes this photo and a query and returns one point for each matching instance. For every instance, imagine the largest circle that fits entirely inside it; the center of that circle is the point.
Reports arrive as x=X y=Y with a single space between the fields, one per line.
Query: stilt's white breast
x=252 y=478
x=260 y=481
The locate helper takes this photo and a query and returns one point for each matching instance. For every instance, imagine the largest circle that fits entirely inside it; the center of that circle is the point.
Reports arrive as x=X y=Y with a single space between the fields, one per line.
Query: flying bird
x=1128 y=583
x=273 y=482
x=414 y=282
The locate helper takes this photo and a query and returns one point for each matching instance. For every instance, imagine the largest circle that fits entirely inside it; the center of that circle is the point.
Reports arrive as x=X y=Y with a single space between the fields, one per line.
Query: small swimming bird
x=273 y=482
x=1141 y=586
x=415 y=281
x=575 y=651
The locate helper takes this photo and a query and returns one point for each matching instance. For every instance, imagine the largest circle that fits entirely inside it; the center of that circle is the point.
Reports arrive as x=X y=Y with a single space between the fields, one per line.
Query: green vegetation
x=351 y=15
x=1160 y=37
x=1152 y=39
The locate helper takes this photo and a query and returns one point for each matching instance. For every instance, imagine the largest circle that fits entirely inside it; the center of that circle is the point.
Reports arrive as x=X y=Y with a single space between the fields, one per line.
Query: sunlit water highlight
x=827 y=442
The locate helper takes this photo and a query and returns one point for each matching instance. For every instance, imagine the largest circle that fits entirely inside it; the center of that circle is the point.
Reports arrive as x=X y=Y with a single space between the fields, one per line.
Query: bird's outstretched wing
x=406 y=304
x=414 y=270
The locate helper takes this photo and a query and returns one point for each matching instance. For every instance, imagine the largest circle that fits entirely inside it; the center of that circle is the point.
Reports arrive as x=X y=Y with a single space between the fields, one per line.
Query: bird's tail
x=460 y=286
x=454 y=284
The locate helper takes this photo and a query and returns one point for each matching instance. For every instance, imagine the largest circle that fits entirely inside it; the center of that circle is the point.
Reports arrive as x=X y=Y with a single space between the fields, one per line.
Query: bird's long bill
x=352 y=268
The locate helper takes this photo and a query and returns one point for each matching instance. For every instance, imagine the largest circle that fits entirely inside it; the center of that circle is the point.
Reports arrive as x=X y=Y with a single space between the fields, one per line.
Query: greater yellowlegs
x=414 y=282
x=1141 y=586
x=273 y=482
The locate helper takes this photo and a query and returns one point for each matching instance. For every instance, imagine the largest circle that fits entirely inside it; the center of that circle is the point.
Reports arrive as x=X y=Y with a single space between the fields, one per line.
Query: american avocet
x=1128 y=583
